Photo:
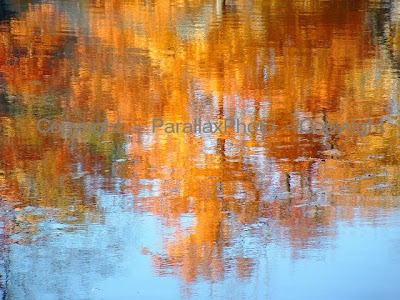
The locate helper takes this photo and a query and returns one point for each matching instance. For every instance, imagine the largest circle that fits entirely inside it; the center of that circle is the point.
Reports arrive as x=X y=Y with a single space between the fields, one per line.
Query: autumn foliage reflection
x=284 y=61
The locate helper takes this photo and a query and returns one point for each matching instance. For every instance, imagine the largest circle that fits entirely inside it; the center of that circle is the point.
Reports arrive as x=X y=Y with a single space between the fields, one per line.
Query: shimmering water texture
x=142 y=215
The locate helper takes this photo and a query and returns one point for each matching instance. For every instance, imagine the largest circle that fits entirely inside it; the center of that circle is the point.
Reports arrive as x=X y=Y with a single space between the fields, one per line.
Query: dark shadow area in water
x=6 y=12
x=10 y=9
x=4 y=104
x=381 y=23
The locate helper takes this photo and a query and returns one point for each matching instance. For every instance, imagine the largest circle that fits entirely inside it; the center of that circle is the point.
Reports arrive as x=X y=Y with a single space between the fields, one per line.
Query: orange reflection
x=131 y=61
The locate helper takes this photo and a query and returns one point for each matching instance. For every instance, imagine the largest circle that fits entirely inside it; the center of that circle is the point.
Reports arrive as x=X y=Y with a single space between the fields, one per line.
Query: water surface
x=143 y=215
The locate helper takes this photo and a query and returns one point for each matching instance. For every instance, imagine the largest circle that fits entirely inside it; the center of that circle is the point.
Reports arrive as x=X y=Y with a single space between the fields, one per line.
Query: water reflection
x=197 y=216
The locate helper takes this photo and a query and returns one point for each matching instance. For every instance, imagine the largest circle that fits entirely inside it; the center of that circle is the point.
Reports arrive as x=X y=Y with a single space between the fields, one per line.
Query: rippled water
x=142 y=215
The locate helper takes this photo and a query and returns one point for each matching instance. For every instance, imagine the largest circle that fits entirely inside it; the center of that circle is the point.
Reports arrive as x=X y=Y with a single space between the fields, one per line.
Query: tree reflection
x=135 y=61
